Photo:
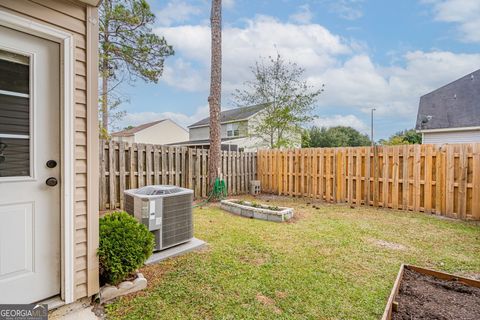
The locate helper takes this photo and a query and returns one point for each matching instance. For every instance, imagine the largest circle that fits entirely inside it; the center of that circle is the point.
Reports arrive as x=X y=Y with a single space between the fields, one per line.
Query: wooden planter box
x=391 y=303
x=261 y=212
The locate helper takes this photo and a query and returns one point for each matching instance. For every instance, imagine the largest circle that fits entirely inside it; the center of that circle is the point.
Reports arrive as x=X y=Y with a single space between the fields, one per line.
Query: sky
x=381 y=54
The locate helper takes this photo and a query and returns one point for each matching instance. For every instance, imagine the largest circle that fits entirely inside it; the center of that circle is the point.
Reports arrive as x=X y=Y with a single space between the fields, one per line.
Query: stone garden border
x=109 y=292
x=261 y=212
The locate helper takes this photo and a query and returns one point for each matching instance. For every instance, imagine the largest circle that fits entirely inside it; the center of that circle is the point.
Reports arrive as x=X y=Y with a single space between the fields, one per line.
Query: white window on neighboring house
x=232 y=130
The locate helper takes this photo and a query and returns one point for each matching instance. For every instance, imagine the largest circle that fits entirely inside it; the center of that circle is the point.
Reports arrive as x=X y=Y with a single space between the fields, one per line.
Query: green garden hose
x=218 y=192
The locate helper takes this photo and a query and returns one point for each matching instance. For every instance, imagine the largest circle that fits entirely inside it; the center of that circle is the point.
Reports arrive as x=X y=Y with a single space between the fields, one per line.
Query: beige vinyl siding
x=201 y=133
x=467 y=136
x=165 y=132
x=72 y=16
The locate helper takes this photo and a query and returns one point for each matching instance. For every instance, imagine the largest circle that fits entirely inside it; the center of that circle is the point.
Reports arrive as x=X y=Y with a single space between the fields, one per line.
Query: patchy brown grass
x=332 y=262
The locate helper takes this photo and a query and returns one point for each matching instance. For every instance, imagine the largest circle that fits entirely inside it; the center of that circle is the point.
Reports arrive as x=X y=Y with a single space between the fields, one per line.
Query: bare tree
x=288 y=98
x=214 y=99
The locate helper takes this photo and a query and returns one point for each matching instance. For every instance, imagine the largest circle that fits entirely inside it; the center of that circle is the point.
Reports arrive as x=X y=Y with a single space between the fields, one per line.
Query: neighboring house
x=161 y=132
x=451 y=114
x=236 y=124
x=48 y=151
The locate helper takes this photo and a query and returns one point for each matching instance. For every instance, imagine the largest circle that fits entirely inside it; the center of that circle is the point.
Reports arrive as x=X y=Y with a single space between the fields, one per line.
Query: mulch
x=425 y=297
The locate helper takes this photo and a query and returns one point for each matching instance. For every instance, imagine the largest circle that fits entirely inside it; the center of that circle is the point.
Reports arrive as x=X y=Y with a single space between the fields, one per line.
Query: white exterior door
x=29 y=139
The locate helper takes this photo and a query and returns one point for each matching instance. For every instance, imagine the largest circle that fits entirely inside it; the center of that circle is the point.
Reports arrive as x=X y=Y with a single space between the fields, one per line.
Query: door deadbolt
x=51 y=163
x=51 y=182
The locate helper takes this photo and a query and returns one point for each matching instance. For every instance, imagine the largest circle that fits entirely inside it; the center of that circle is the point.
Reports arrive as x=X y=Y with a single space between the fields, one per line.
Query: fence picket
x=440 y=179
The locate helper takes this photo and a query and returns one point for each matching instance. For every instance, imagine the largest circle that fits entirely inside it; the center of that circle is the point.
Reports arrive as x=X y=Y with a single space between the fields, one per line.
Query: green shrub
x=125 y=245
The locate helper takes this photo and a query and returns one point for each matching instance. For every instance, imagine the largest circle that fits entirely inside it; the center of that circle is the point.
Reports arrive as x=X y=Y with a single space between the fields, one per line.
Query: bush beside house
x=124 y=246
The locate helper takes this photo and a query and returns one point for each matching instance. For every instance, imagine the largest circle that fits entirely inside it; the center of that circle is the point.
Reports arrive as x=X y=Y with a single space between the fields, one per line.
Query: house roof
x=201 y=142
x=455 y=105
x=236 y=114
x=132 y=131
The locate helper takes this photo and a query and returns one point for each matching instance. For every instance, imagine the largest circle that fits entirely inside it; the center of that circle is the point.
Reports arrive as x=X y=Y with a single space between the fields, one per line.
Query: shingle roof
x=232 y=115
x=454 y=105
x=132 y=131
x=200 y=142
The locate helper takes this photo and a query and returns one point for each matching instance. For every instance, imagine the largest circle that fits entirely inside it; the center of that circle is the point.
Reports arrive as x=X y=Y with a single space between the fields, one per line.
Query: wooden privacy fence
x=124 y=166
x=444 y=180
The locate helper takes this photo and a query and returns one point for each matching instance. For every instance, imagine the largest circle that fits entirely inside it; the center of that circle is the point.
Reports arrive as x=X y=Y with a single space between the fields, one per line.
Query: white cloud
x=181 y=74
x=393 y=91
x=228 y=4
x=137 y=118
x=465 y=13
x=177 y=12
x=310 y=45
x=347 y=9
x=303 y=16
x=353 y=81
x=340 y=120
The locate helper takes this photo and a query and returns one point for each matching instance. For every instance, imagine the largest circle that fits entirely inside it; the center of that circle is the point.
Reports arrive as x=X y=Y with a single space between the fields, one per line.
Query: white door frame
x=67 y=141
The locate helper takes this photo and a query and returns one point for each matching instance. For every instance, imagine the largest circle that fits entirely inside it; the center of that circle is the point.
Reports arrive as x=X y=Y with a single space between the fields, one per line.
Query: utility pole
x=371 y=137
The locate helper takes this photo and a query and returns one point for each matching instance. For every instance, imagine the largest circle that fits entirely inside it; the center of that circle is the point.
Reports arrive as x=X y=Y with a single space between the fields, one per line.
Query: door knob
x=51 y=182
x=51 y=164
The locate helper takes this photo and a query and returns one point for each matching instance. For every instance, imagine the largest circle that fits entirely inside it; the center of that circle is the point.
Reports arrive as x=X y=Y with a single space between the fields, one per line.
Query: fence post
x=476 y=182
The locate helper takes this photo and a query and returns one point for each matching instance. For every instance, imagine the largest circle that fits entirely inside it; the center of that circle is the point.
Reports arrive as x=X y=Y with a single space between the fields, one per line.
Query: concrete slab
x=79 y=310
x=192 y=245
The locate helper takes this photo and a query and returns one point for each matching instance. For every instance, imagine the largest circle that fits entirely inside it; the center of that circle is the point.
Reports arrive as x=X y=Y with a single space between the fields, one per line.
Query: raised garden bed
x=257 y=211
x=420 y=293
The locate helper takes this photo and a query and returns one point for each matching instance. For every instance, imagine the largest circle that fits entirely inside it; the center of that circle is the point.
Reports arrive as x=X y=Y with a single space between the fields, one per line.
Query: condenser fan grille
x=158 y=190
x=177 y=220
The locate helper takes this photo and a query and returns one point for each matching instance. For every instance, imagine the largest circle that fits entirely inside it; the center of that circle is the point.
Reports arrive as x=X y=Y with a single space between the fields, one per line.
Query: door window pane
x=14 y=115
x=14 y=157
x=14 y=72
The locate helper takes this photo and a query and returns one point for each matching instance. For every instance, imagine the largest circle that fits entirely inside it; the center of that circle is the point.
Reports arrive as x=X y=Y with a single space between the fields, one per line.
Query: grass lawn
x=329 y=263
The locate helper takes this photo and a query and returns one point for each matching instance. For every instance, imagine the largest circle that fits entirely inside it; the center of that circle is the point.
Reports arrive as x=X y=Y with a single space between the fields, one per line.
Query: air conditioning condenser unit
x=165 y=210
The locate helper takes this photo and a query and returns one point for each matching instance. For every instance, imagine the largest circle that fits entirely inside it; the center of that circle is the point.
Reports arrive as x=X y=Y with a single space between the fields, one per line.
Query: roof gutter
x=94 y=3
x=449 y=129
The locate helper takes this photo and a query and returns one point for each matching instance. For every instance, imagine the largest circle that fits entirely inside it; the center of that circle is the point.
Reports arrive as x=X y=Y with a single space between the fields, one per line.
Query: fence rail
x=125 y=166
x=444 y=180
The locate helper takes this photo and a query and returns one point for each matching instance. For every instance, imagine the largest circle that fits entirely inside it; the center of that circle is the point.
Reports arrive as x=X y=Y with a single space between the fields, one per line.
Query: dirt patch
x=426 y=297
x=387 y=245
x=268 y=302
x=256 y=259
x=281 y=294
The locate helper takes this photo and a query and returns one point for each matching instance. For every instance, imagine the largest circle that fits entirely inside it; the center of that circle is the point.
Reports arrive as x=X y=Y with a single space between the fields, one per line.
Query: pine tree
x=128 y=50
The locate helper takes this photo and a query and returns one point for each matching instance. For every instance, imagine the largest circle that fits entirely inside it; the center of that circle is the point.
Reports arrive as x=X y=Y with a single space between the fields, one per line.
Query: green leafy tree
x=403 y=137
x=339 y=136
x=289 y=100
x=128 y=50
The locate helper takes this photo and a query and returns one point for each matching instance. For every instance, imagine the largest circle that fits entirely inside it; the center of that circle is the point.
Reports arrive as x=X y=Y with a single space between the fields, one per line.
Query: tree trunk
x=214 y=99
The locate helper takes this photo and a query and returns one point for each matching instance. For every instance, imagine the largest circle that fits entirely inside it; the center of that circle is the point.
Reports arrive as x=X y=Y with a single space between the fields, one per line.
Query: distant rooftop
x=455 y=105
x=132 y=131
x=236 y=114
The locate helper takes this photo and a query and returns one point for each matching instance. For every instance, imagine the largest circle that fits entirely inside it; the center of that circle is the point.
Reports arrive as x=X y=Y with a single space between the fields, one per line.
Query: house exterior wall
x=246 y=127
x=164 y=132
x=76 y=18
x=202 y=133
x=199 y=133
x=129 y=139
x=467 y=136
